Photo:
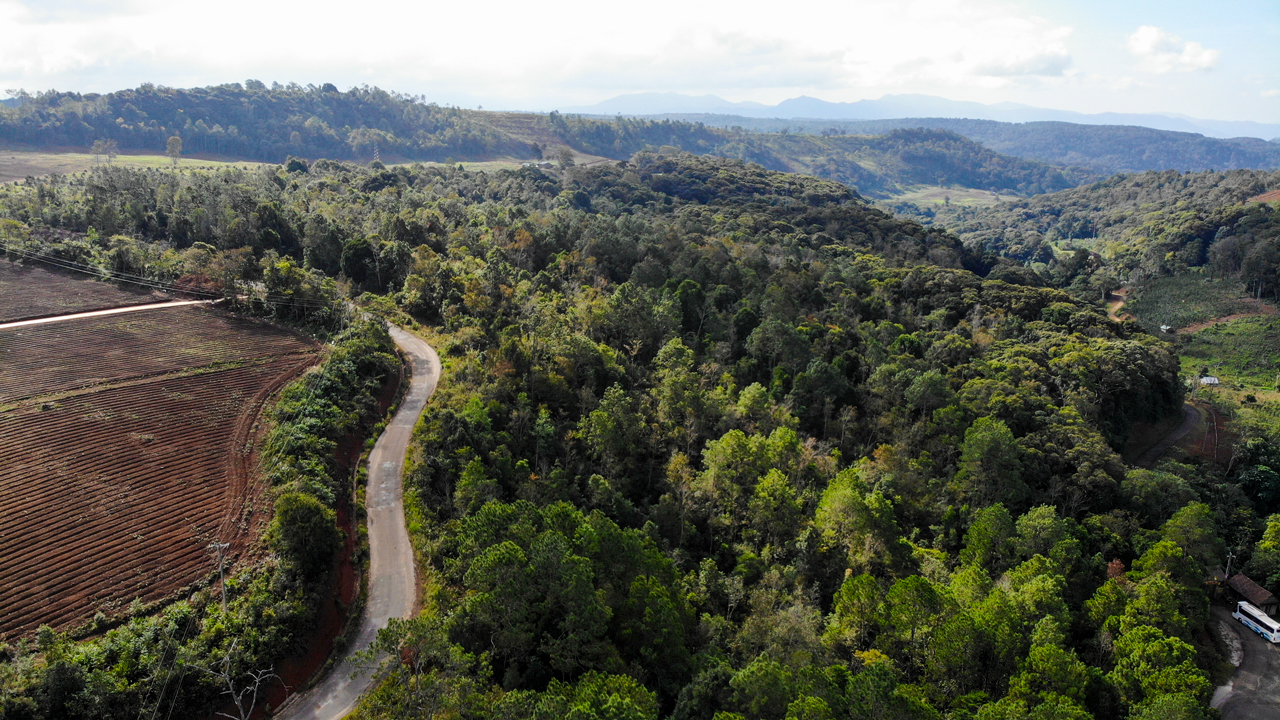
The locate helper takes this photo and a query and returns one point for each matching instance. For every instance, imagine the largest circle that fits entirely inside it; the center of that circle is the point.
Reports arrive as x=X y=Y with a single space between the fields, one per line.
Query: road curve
x=392 y=590
x=1190 y=419
x=1253 y=692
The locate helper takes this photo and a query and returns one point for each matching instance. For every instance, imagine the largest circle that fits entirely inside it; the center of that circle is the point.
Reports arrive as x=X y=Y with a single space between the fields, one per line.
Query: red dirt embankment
x=1273 y=196
x=1214 y=441
x=335 y=609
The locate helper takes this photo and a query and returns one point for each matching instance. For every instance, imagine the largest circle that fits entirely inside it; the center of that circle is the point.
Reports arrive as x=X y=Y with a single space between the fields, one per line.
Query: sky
x=1217 y=60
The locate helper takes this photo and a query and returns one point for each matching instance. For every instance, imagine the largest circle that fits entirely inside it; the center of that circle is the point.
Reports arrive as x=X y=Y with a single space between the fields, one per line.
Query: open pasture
x=19 y=164
x=31 y=291
x=55 y=357
x=113 y=495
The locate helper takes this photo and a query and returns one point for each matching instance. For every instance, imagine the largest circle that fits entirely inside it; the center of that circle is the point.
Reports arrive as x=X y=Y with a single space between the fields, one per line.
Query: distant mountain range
x=1101 y=149
x=913 y=106
x=882 y=158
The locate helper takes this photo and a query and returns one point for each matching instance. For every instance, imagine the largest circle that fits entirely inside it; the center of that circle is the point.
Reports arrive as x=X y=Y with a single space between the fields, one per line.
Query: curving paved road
x=1190 y=419
x=1254 y=690
x=392 y=590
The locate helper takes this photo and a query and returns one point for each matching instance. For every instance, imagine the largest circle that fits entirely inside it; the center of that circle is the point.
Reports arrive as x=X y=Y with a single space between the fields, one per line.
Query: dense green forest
x=713 y=442
x=1101 y=149
x=1130 y=228
x=260 y=123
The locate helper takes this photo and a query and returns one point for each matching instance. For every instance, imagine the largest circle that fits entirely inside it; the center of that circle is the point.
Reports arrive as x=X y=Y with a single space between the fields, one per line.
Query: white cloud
x=1270 y=93
x=570 y=49
x=1160 y=52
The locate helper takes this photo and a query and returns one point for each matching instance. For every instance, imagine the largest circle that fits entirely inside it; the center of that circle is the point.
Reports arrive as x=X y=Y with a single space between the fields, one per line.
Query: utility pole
x=1230 y=556
x=219 y=547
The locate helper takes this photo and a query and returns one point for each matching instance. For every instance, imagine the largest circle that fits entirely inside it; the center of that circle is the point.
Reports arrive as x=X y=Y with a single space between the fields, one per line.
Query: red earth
x=113 y=495
x=31 y=291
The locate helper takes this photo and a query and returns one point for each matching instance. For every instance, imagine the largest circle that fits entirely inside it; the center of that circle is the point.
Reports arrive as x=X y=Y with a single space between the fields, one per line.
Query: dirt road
x=1253 y=692
x=1190 y=419
x=392 y=589
x=98 y=313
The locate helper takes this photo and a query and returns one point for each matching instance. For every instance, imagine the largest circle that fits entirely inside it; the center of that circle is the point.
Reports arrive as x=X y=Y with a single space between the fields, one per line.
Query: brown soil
x=114 y=495
x=1116 y=300
x=1259 y=308
x=31 y=291
x=297 y=672
x=1273 y=196
x=41 y=359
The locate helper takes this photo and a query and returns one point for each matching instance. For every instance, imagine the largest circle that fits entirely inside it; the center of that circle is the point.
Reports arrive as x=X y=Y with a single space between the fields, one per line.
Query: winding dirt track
x=392 y=588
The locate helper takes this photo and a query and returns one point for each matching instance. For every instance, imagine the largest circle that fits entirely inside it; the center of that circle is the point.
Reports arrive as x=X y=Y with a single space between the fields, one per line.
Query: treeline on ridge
x=269 y=124
x=1099 y=149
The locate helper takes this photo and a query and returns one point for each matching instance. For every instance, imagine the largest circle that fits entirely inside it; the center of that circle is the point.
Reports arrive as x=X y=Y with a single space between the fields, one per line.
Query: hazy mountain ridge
x=915 y=106
x=1104 y=149
x=270 y=124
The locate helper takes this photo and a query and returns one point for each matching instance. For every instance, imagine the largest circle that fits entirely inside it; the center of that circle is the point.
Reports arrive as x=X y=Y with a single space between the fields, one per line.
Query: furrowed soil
x=126 y=445
x=114 y=495
x=42 y=359
x=30 y=291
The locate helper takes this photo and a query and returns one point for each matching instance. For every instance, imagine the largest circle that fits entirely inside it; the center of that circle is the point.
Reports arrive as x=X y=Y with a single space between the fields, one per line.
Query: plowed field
x=114 y=495
x=126 y=445
x=29 y=291
x=41 y=359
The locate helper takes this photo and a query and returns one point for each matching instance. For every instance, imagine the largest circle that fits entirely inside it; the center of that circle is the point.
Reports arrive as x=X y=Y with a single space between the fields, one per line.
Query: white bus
x=1257 y=621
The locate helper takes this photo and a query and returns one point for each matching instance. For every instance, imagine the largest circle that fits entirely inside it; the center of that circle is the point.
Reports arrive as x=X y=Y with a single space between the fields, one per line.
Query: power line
x=150 y=282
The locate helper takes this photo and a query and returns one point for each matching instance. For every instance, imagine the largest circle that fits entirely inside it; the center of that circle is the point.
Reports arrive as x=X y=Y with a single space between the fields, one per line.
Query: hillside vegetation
x=1099 y=149
x=713 y=442
x=269 y=124
x=1130 y=228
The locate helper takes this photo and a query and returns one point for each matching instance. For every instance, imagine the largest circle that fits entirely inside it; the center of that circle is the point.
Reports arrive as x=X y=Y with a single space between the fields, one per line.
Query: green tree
x=913 y=606
x=305 y=533
x=855 y=613
x=1150 y=664
x=990 y=469
x=1194 y=530
x=989 y=543
x=763 y=690
x=173 y=148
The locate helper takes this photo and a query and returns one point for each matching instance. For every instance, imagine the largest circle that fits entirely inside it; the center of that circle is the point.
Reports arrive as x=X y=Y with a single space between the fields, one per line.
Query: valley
x=729 y=424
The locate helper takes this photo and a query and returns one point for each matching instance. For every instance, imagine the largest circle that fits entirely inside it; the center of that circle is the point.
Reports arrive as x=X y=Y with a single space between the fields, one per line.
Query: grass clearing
x=21 y=164
x=1184 y=300
x=1244 y=354
x=935 y=195
x=487 y=166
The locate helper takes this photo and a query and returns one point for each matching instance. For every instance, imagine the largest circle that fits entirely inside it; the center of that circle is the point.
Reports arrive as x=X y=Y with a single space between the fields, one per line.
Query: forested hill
x=715 y=441
x=1142 y=225
x=1110 y=215
x=1103 y=149
x=260 y=123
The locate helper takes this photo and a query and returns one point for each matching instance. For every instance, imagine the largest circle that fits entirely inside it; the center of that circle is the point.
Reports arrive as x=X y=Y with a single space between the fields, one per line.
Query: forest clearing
x=128 y=442
x=20 y=164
